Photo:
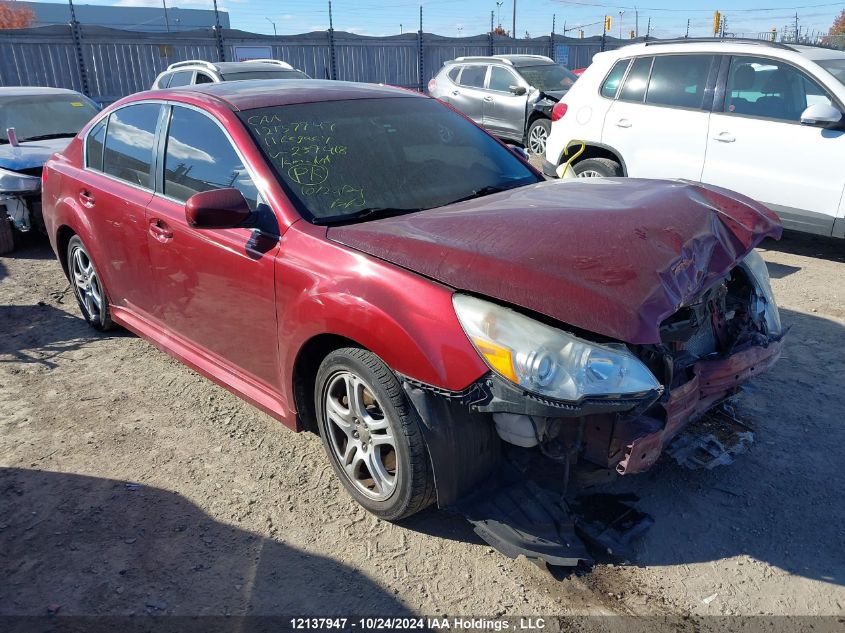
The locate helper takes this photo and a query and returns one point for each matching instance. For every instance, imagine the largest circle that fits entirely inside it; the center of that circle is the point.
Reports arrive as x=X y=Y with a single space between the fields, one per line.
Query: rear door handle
x=724 y=137
x=455 y=93
x=160 y=230
x=488 y=99
x=623 y=123
x=86 y=198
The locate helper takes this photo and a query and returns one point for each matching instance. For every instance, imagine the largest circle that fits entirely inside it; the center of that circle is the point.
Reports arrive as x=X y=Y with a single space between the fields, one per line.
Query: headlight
x=548 y=361
x=11 y=182
x=764 y=304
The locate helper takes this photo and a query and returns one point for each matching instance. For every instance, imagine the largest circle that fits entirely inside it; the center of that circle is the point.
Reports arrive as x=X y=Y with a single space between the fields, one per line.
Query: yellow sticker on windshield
x=77 y=104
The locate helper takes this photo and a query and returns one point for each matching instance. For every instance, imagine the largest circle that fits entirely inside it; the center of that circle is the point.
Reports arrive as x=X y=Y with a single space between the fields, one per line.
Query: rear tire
x=538 y=134
x=597 y=168
x=87 y=286
x=7 y=235
x=371 y=434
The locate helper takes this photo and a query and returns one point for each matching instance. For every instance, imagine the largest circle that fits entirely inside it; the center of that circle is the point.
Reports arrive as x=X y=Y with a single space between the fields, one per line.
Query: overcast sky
x=471 y=17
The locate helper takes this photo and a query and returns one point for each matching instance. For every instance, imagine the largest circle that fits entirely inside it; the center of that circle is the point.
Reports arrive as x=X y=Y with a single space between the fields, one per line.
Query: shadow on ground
x=87 y=546
x=808 y=246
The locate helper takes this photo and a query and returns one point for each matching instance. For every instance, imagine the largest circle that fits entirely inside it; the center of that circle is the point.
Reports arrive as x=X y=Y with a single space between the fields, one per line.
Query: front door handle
x=455 y=93
x=86 y=198
x=623 y=123
x=488 y=99
x=724 y=137
x=160 y=230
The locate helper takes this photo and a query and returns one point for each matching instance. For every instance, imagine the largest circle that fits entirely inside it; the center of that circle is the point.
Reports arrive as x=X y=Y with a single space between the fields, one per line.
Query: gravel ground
x=129 y=484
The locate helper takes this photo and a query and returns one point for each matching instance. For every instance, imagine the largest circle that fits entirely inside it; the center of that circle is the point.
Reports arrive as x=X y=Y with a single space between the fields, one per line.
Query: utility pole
x=400 y=29
x=648 y=29
x=636 y=22
x=166 y=19
x=513 y=28
x=76 y=34
x=218 y=34
x=796 y=27
x=687 y=35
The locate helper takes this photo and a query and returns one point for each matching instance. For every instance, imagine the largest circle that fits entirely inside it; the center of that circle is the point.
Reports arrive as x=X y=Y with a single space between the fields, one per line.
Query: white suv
x=198 y=71
x=760 y=118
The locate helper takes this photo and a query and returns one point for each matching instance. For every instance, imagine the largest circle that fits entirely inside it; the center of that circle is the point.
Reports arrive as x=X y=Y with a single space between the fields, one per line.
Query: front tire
x=87 y=286
x=372 y=434
x=597 y=168
x=538 y=134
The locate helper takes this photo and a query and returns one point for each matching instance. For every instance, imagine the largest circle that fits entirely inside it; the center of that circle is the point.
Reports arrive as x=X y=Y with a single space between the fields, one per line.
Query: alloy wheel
x=360 y=435
x=86 y=284
x=590 y=173
x=537 y=140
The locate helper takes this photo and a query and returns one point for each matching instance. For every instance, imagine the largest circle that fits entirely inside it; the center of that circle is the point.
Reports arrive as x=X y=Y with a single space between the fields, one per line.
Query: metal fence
x=108 y=64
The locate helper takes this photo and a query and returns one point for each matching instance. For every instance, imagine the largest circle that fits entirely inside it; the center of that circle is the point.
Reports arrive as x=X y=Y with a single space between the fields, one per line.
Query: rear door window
x=679 y=80
x=637 y=80
x=130 y=138
x=611 y=83
x=473 y=76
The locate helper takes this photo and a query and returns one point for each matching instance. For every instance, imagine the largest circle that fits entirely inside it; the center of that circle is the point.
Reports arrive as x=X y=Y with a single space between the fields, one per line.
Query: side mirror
x=217 y=209
x=821 y=115
x=517 y=90
x=519 y=151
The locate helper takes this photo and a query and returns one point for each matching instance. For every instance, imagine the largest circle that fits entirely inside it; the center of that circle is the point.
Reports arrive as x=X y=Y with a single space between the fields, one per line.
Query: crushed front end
x=20 y=198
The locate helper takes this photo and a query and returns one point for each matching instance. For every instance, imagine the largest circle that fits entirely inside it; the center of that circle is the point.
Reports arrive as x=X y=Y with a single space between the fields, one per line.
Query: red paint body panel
x=612 y=256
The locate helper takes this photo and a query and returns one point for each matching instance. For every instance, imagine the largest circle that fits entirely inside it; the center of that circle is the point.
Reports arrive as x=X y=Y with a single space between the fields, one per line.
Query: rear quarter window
x=94 y=146
x=611 y=82
x=637 y=80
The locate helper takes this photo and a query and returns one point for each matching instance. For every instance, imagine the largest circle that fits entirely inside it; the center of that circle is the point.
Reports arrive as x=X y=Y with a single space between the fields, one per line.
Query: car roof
x=21 y=91
x=262 y=93
x=728 y=45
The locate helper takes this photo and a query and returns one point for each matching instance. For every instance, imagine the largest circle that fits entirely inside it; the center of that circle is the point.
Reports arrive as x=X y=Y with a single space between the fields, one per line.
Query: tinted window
x=610 y=85
x=94 y=146
x=548 y=77
x=199 y=157
x=339 y=157
x=637 y=80
x=835 y=67
x=265 y=74
x=679 y=80
x=473 y=76
x=501 y=79
x=769 y=88
x=182 y=78
x=202 y=78
x=129 y=143
x=453 y=73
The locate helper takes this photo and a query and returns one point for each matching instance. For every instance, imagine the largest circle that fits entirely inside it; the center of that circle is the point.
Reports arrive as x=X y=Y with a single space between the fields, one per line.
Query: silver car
x=510 y=95
x=198 y=71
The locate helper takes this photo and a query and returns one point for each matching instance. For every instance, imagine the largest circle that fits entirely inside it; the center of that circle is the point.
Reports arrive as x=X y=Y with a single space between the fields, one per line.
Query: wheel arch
x=63 y=236
x=599 y=150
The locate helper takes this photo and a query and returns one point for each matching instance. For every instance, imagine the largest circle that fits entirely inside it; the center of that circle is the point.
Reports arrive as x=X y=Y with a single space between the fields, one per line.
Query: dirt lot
x=232 y=513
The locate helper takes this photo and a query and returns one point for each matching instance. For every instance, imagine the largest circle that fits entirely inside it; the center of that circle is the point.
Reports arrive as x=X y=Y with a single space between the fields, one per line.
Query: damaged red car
x=366 y=263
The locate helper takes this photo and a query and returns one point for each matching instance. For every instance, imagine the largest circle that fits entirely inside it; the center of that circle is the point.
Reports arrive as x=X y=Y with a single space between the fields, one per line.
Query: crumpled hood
x=30 y=154
x=611 y=256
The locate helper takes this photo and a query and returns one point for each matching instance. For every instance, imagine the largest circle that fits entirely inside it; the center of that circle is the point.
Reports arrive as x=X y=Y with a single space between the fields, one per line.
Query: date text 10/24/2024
x=418 y=623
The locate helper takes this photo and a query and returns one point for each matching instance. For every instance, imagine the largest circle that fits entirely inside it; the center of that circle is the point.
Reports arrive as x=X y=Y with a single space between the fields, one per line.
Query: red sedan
x=364 y=262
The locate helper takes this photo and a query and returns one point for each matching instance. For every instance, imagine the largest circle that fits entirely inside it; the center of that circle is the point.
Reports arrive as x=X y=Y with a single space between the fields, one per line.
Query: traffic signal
x=717 y=22
x=607 y=23
x=774 y=34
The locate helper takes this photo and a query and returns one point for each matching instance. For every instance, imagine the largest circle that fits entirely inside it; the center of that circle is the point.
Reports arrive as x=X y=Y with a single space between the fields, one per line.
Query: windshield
x=548 y=77
x=264 y=74
x=44 y=116
x=835 y=67
x=339 y=158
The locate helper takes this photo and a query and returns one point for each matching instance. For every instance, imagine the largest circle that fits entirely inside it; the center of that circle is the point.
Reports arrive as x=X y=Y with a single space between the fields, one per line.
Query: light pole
x=400 y=29
x=460 y=28
x=273 y=23
x=499 y=12
x=621 y=13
